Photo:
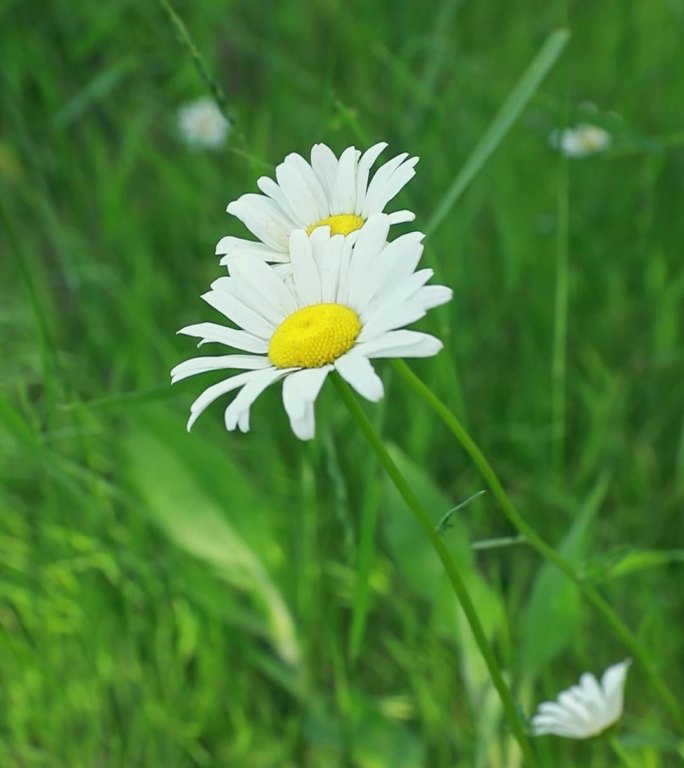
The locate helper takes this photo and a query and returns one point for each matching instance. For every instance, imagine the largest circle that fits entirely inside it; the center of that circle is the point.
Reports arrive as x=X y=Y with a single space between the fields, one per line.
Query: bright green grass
x=223 y=600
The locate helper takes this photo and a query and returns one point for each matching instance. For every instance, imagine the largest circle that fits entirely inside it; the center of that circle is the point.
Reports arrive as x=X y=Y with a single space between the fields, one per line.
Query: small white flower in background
x=586 y=709
x=581 y=141
x=344 y=303
x=326 y=192
x=202 y=124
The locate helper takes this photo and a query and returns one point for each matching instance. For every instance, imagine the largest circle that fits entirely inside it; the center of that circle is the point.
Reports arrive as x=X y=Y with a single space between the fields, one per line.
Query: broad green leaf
x=194 y=519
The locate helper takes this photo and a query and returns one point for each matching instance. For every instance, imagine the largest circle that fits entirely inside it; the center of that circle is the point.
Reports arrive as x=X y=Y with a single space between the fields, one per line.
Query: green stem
x=459 y=587
x=620 y=751
x=535 y=540
x=187 y=42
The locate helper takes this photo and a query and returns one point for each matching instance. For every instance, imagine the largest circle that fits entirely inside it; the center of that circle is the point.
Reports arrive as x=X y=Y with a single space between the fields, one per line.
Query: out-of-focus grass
x=195 y=600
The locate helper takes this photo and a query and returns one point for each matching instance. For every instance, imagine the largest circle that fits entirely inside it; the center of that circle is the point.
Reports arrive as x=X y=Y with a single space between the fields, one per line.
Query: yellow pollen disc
x=314 y=336
x=340 y=224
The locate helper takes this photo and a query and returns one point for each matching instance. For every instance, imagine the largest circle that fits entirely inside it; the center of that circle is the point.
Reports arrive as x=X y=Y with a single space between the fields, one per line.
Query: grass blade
x=499 y=127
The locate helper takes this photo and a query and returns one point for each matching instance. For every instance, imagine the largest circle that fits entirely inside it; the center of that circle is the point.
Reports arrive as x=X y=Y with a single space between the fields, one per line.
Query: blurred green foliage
x=224 y=600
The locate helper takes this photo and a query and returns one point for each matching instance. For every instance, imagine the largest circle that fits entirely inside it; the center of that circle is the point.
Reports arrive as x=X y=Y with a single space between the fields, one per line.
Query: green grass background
x=216 y=599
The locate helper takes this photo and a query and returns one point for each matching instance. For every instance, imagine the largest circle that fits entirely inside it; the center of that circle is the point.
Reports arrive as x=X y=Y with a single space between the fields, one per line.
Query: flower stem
x=537 y=542
x=457 y=582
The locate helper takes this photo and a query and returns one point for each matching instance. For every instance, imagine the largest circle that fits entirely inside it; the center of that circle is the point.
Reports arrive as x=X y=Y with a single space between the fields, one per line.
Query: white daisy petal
x=380 y=288
x=239 y=407
x=239 y=313
x=403 y=254
x=307 y=282
x=224 y=284
x=318 y=200
x=262 y=254
x=377 y=200
x=378 y=194
x=432 y=296
x=401 y=344
x=228 y=246
x=584 y=710
x=554 y=709
x=262 y=288
x=394 y=293
x=304 y=427
x=613 y=684
x=272 y=190
x=541 y=727
x=301 y=389
x=591 y=694
x=358 y=371
x=300 y=196
x=263 y=218
x=344 y=282
x=344 y=193
x=324 y=165
x=574 y=704
x=613 y=679
x=366 y=162
x=401 y=217
x=328 y=257
x=214 y=392
x=203 y=364
x=369 y=243
x=213 y=332
x=389 y=318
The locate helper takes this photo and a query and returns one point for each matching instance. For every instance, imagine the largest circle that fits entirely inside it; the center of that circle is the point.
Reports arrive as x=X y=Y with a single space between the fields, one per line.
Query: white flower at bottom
x=202 y=124
x=586 y=709
x=341 y=305
x=326 y=192
x=581 y=141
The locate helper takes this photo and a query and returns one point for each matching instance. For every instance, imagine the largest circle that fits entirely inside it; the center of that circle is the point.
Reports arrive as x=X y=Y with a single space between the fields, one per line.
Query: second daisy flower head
x=325 y=192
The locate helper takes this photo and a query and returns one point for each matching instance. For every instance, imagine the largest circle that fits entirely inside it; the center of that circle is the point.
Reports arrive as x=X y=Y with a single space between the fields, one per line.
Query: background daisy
x=581 y=141
x=202 y=124
x=586 y=709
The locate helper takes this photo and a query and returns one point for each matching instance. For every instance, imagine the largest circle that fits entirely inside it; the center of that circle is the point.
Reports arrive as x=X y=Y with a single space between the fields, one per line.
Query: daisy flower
x=586 y=709
x=581 y=141
x=345 y=304
x=202 y=125
x=326 y=192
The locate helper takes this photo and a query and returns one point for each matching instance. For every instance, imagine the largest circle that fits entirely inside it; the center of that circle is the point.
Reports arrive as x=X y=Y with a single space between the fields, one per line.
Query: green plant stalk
x=537 y=542
x=459 y=587
x=186 y=41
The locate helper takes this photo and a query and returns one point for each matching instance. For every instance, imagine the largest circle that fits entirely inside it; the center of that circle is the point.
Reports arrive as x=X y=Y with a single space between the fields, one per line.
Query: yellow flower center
x=314 y=336
x=340 y=224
